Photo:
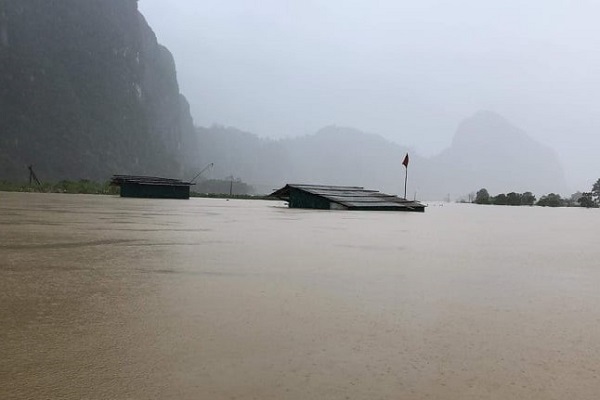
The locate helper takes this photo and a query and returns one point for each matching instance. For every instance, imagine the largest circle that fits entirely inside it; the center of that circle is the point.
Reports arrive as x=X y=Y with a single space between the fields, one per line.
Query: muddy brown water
x=110 y=298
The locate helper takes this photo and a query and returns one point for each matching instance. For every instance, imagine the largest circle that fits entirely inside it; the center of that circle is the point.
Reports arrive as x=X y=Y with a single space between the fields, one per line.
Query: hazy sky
x=408 y=70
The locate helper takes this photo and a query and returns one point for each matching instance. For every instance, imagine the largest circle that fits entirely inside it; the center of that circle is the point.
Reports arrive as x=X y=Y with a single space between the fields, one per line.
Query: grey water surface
x=103 y=297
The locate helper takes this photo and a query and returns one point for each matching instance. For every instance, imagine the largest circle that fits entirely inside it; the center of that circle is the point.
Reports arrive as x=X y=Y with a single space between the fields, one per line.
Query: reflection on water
x=103 y=297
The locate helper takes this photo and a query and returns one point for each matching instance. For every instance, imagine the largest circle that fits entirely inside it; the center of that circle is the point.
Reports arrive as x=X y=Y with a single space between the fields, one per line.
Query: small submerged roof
x=147 y=180
x=351 y=197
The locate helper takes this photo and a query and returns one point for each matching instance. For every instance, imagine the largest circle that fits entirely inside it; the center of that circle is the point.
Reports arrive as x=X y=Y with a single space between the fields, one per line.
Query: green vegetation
x=552 y=200
x=82 y=186
x=595 y=194
x=510 y=199
x=232 y=188
x=590 y=199
x=482 y=197
x=239 y=189
x=223 y=188
x=587 y=199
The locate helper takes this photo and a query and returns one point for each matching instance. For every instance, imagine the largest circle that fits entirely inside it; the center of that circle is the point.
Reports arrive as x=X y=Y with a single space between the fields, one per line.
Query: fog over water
x=104 y=297
x=410 y=71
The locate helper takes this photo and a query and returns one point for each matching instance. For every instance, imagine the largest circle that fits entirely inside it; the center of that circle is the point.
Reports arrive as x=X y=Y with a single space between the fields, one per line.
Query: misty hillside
x=346 y=156
x=487 y=151
x=86 y=91
x=262 y=162
x=334 y=155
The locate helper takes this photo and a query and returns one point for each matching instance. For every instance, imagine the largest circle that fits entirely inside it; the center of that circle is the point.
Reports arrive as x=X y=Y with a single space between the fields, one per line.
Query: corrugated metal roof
x=352 y=197
x=148 y=180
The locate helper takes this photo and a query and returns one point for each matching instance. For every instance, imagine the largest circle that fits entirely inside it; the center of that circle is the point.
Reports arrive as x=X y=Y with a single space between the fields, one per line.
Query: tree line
x=82 y=186
x=589 y=199
x=221 y=187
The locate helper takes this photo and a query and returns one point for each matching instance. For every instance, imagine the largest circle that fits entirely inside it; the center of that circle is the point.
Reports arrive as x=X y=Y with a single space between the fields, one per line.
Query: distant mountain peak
x=345 y=133
x=337 y=129
x=489 y=151
x=485 y=128
x=489 y=115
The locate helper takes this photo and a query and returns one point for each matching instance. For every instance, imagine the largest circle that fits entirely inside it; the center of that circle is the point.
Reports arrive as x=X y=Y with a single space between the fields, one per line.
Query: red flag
x=405 y=162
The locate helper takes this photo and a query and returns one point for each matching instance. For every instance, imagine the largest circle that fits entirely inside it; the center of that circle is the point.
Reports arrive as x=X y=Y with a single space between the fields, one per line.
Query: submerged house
x=343 y=198
x=152 y=187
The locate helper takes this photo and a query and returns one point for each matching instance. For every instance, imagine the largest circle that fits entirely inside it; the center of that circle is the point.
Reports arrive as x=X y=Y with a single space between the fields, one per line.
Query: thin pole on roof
x=405 y=179
x=405 y=163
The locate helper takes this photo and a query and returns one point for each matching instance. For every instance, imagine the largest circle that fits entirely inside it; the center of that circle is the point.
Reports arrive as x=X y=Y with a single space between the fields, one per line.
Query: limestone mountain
x=489 y=152
x=86 y=91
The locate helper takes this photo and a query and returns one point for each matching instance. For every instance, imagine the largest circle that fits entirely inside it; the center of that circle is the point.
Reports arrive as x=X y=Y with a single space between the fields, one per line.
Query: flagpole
x=405 y=163
x=405 y=179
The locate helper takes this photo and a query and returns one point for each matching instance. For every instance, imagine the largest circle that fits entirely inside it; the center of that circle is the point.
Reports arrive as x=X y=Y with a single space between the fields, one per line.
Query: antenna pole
x=200 y=173
x=32 y=176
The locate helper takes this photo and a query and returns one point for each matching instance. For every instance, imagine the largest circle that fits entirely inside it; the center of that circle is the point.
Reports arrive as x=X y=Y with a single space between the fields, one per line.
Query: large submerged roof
x=352 y=197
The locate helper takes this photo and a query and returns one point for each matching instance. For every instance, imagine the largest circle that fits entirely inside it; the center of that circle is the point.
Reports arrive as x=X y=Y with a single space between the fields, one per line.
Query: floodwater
x=110 y=298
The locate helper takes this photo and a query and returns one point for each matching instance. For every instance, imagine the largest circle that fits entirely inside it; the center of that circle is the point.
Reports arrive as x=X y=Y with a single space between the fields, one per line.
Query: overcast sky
x=408 y=70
